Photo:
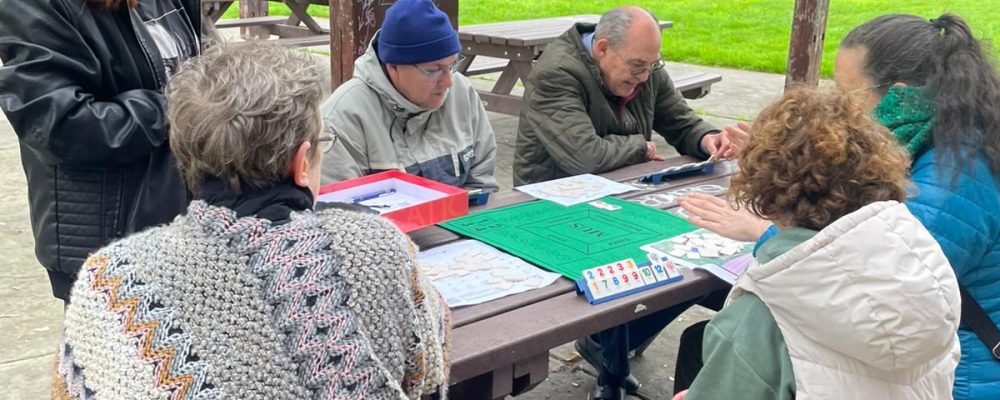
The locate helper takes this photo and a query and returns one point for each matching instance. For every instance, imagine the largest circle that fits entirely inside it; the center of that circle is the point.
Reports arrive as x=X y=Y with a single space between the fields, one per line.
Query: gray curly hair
x=239 y=111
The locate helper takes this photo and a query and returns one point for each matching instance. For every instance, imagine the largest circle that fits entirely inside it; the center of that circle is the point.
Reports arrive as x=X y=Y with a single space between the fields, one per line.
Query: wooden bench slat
x=518 y=334
x=252 y=21
x=696 y=85
x=485 y=65
x=525 y=30
x=317 y=40
x=489 y=27
x=688 y=81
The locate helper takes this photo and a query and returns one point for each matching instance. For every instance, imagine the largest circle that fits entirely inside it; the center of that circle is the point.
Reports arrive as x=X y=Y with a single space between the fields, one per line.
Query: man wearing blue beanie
x=406 y=108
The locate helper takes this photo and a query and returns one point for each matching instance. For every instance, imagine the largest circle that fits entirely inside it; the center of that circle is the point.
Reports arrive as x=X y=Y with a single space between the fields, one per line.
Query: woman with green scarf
x=934 y=86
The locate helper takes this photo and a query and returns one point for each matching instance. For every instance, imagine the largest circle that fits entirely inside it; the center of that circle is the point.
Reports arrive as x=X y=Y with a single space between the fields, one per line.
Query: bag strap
x=976 y=318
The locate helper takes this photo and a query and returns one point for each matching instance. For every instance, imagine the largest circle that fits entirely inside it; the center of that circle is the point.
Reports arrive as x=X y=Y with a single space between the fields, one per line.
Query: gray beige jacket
x=378 y=129
x=571 y=124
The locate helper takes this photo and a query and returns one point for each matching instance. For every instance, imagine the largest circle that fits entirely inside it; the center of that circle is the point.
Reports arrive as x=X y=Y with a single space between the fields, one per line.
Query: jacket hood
x=873 y=286
x=369 y=69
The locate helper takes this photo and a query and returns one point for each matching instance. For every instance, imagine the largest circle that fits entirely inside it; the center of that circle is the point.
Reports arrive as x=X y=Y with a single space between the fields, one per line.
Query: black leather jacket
x=83 y=90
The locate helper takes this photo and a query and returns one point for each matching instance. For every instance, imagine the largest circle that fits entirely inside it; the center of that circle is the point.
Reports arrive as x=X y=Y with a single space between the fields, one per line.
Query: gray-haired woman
x=251 y=293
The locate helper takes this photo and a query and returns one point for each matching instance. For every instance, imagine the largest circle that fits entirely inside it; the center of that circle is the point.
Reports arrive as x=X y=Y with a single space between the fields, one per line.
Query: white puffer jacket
x=868 y=308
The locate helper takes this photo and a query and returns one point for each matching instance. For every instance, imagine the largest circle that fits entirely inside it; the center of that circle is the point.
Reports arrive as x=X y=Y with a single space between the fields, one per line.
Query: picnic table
x=501 y=347
x=512 y=47
x=297 y=29
x=352 y=24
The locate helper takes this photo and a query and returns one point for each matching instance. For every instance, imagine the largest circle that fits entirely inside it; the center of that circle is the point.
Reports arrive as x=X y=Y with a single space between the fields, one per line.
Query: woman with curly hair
x=933 y=84
x=852 y=298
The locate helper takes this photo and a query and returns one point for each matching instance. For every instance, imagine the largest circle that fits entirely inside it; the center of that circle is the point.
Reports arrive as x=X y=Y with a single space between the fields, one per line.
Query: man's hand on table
x=717 y=146
x=718 y=216
x=728 y=143
x=651 y=152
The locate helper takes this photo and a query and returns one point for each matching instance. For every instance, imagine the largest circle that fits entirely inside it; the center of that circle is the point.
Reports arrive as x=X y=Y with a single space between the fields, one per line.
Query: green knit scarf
x=909 y=114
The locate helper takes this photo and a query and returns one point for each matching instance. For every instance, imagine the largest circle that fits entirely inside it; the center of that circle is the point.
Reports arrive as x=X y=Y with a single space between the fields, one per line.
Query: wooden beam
x=300 y=9
x=341 y=41
x=805 y=49
x=353 y=23
x=253 y=9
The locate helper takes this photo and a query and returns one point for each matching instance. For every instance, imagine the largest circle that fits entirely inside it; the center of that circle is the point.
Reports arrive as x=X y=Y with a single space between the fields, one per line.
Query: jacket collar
x=274 y=203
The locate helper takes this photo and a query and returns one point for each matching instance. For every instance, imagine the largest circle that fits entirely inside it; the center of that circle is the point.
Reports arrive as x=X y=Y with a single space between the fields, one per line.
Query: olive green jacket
x=571 y=124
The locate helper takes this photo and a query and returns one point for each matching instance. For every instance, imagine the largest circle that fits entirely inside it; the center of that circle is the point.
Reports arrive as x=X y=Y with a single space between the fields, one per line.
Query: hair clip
x=938 y=25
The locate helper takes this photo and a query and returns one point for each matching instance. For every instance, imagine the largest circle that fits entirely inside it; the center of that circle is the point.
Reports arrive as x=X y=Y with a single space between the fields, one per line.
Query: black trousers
x=689 y=361
x=617 y=342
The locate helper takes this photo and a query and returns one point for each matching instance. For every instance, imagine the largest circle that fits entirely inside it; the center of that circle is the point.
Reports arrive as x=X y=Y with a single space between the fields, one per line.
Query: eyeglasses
x=435 y=74
x=637 y=70
x=326 y=142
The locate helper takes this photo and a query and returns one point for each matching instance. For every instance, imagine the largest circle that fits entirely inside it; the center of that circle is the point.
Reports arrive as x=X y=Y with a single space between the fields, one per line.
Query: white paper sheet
x=397 y=194
x=575 y=189
x=472 y=272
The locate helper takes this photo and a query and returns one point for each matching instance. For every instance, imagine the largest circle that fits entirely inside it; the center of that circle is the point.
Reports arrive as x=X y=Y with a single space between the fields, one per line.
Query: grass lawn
x=747 y=34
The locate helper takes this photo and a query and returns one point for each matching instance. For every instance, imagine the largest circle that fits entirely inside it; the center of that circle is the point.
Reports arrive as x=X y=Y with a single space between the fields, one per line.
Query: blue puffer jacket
x=963 y=217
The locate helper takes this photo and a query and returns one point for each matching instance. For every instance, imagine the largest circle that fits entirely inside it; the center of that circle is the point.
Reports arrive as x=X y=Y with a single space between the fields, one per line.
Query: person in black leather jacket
x=81 y=83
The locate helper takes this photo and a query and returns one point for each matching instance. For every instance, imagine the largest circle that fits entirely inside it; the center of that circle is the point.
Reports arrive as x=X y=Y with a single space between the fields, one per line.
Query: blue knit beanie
x=415 y=32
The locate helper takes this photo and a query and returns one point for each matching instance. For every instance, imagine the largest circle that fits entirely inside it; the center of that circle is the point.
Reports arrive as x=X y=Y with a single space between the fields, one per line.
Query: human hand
x=681 y=395
x=738 y=136
x=651 y=152
x=716 y=145
x=718 y=216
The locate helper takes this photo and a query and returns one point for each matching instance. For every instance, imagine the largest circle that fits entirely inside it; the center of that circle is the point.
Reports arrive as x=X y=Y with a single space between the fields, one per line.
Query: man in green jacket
x=592 y=102
x=595 y=97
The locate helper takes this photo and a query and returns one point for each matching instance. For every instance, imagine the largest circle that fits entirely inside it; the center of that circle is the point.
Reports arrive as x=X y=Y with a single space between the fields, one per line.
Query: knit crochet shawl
x=326 y=306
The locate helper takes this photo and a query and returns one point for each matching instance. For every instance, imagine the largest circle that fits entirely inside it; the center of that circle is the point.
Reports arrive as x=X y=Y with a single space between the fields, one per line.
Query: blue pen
x=373 y=195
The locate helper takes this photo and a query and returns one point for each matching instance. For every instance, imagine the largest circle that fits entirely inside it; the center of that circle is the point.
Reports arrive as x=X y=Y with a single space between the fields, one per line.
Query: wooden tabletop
x=531 y=32
x=513 y=328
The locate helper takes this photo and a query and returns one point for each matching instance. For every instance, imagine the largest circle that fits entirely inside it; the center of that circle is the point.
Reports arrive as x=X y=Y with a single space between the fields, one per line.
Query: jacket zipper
x=142 y=46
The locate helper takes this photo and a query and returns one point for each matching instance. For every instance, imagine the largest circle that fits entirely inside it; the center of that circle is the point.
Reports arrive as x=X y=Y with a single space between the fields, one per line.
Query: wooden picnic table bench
x=352 y=24
x=283 y=27
x=501 y=347
x=512 y=47
x=297 y=29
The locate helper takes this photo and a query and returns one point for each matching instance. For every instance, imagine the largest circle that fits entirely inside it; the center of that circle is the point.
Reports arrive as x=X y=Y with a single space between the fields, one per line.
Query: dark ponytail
x=944 y=57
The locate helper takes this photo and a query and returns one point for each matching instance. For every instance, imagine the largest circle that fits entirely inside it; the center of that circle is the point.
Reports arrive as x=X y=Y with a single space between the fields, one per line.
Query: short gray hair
x=238 y=112
x=614 y=24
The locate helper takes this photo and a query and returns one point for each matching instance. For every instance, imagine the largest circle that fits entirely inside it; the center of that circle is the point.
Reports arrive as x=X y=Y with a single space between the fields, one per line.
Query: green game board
x=568 y=240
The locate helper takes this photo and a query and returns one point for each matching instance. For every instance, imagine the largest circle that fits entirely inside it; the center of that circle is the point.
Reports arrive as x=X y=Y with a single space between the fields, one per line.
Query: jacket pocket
x=451 y=169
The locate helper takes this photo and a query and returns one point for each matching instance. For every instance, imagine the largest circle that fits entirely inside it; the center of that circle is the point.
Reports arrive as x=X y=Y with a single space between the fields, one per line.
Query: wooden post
x=250 y=9
x=353 y=23
x=341 y=41
x=805 y=49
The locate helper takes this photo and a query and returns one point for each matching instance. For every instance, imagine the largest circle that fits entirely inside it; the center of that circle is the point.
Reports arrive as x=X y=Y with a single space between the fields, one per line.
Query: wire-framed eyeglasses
x=638 y=70
x=437 y=71
x=325 y=142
